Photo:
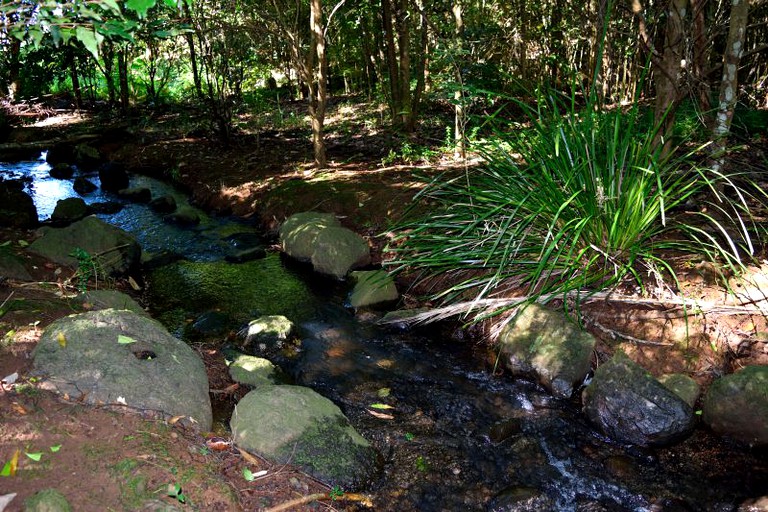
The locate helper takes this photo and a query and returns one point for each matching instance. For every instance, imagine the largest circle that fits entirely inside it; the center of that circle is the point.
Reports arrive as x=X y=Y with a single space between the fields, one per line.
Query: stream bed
x=453 y=435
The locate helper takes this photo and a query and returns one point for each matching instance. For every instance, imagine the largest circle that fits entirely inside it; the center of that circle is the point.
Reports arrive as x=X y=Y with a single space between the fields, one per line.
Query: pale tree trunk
x=668 y=74
x=396 y=100
x=316 y=57
x=459 y=120
x=729 y=86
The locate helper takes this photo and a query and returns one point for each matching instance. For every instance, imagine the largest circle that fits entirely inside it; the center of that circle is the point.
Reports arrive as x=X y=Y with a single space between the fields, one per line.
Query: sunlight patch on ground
x=61 y=120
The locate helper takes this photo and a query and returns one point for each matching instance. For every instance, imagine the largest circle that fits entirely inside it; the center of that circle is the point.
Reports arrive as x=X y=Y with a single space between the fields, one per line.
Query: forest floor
x=102 y=460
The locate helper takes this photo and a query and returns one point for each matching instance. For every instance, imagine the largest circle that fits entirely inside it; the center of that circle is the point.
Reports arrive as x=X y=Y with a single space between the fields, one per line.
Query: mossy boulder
x=253 y=288
x=545 y=345
x=737 y=406
x=683 y=386
x=47 y=500
x=252 y=371
x=69 y=210
x=294 y=424
x=268 y=332
x=113 y=250
x=119 y=358
x=339 y=250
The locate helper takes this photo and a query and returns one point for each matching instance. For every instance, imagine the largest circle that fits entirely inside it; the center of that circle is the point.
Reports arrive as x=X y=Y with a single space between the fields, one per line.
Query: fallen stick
x=362 y=498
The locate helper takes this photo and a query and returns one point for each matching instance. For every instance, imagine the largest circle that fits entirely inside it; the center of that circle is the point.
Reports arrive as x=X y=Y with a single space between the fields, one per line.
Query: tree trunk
x=667 y=74
x=13 y=68
x=729 y=86
x=108 y=54
x=396 y=100
x=421 y=69
x=699 y=64
x=190 y=38
x=122 y=71
x=404 y=53
x=318 y=93
x=75 y=81
x=459 y=119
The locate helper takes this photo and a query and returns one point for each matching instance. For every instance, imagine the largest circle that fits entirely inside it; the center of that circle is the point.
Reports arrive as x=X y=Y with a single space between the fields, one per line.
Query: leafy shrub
x=573 y=204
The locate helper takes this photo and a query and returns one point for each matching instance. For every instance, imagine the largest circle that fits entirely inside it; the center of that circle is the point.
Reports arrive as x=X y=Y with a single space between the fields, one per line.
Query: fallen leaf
x=18 y=409
x=175 y=420
x=124 y=340
x=34 y=456
x=250 y=459
x=10 y=467
x=5 y=499
x=381 y=406
x=217 y=444
x=380 y=415
x=55 y=448
x=61 y=339
x=134 y=284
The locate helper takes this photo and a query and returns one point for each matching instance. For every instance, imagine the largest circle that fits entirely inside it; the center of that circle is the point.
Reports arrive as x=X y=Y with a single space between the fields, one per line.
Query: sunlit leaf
x=111 y=5
x=55 y=448
x=140 y=7
x=383 y=392
x=88 y=38
x=125 y=340
x=381 y=406
x=61 y=339
x=36 y=456
x=248 y=475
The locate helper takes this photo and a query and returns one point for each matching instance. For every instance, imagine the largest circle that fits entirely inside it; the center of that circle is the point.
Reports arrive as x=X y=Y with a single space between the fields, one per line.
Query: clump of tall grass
x=579 y=201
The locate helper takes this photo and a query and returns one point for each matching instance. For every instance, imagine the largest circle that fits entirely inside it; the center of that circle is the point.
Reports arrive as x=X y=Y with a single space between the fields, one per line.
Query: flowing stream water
x=453 y=436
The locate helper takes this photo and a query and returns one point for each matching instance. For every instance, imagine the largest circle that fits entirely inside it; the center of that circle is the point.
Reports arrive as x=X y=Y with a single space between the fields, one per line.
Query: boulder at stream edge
x=294 y=424
x=545 y=345
x=17 y=209
x=737 y=406
x=629 y=405
x=112 y=249
x=118 y=357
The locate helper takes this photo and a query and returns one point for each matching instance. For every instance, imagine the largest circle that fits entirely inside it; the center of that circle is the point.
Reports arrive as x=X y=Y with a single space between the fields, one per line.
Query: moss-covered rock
x=253 y=371
x=372 y=287
x=47 y=500
x=737 y=405
x=260 y=287
x=295 y=424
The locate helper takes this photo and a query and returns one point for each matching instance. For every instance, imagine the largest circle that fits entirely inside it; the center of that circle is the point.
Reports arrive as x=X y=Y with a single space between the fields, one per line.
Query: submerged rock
x=83 y=186
x=545 y=345
x=629 y=405
x=737 y=406
x=62 y=171
x=121 y=358
x=163 y=204
x=268 y=332
x=113 y=177
x=136 y=194
x=293 y=424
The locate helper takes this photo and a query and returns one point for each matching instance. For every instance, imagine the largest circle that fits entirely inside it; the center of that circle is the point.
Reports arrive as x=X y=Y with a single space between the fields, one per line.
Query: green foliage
x=575 y=203
x=86 y=268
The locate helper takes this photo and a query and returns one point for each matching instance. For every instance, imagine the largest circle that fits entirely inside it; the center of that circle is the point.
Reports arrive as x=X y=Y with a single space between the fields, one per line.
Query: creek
x=453 y=435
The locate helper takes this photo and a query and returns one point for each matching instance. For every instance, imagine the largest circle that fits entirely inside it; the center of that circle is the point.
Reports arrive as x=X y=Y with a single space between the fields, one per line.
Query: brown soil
x=105 y=460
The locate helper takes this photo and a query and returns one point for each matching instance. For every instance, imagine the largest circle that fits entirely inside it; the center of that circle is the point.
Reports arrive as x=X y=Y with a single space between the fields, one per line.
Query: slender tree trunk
x=668 y=73
x=190 y=38
x=396 y=100
x=108 y=55
x=319 y=92
x=74 y=77
x=13 y=68
x=700 y=61
x=459 y=119
x=404 y=51
x=122 y=71
x=421 y=68
x=729 y=86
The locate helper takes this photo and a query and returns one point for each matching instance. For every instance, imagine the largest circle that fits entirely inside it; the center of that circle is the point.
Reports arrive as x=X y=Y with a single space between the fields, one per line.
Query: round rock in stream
x=117 y=357
x=294 y=424
x=631 y=406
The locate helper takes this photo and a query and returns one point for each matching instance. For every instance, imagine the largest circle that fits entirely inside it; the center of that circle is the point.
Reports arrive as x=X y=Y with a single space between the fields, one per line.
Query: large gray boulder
x=117 y=357
x=319 y=238
x=372 y=287
x=295 y=424
x=299 y=232
x=339 y=250
x=12 y=266
x=737 y=406
x=108 y=299
x=113 y=250
x=546 y=346
x=17 y=209
x=629 y=405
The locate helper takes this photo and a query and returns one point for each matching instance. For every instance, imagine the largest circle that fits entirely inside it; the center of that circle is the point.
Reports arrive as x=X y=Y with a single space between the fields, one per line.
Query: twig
x=363 y=499
x=6 y=300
